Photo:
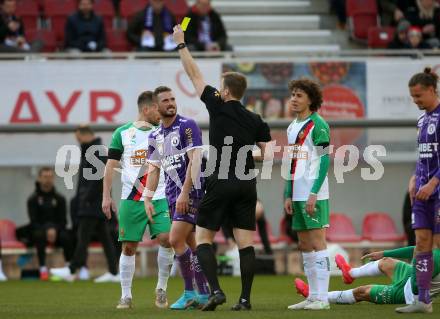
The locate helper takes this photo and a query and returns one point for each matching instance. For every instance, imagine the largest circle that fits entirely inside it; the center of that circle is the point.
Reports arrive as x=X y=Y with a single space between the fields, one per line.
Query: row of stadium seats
x=55 y=13
x=376 y=227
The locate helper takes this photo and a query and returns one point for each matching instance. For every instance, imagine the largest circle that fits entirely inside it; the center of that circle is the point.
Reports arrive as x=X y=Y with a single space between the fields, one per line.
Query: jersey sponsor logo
x=138 y=158
x=431 y=128
x=217 y=94
x=426 y=150
x=296 y=151
x=189 y=134
x=173 y=161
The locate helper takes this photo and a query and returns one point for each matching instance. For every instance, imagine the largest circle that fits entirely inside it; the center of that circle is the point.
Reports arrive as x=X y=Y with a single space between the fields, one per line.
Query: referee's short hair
x=144 y=99
x=84 y=129
x=311 y=88
x=236 y=83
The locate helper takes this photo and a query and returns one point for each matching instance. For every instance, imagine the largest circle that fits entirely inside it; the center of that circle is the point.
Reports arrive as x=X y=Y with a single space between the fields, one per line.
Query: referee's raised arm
x=188 y=62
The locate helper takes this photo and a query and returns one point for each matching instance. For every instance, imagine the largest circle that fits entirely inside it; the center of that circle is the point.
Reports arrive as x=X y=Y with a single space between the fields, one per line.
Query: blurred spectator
x=47 y=214
x=338 y=7
x=391 y=11
x=406 y=218
x=12 y=38
x=84 y=31
x=2 y=275
x=426 y=15
x=206 y=31
x=415 y=39
x=400 y=40
x=151 y=29
x=90 y=215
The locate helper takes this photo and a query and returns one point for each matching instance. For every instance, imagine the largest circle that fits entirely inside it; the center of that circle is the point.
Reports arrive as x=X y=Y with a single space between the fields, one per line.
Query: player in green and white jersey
x=128 y=149
x=306 y=195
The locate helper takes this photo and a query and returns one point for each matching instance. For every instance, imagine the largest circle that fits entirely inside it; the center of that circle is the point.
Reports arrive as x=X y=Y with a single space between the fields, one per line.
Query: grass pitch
x=270 y=298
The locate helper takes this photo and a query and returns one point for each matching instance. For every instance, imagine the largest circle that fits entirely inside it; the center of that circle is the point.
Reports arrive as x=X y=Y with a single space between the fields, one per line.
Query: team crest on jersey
x=138 y=158
x=174 y=139
x=132 y=135
x=431 y=128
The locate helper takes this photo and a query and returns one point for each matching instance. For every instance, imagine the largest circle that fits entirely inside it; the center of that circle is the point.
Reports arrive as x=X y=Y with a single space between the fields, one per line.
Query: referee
x=231 y=192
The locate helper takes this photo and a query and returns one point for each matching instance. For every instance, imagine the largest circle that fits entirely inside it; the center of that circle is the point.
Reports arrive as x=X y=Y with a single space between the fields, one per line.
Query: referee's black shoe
x=242 y=305
x=217 y=299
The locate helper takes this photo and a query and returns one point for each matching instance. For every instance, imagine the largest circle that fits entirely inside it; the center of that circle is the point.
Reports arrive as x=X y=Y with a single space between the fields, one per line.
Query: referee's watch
x=181 y=46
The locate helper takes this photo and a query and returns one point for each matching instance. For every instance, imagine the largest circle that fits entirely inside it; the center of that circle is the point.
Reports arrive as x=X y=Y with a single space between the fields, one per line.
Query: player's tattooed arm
x=188 y=62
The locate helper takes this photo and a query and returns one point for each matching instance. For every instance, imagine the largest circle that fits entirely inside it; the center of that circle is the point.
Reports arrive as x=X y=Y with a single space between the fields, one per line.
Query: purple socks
x=186 y=269
x=202 y=283
x=424 y=268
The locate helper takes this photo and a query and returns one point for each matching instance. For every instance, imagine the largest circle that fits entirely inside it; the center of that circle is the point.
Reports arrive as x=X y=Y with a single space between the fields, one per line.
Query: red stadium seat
x=341 y=229
x=178 y=7
x=283 y=234
x=362 y=15
x=105 y=9
x=28 y=12
x=117 y=41
x=57 y=12
x=47 y=36
x=129 y=8
x=378 y=226
x=380 y=37
x=7 y=235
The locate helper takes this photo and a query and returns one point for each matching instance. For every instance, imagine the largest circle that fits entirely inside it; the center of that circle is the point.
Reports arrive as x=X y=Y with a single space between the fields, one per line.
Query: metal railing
x=411 y=54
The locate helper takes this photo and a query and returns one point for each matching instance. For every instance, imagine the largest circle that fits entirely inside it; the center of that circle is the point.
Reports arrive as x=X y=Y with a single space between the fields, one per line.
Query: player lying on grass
x=383 y=263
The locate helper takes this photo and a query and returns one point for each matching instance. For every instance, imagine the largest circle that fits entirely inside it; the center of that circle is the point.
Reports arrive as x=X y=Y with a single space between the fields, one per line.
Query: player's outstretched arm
x=188 y=62
x=107 y=202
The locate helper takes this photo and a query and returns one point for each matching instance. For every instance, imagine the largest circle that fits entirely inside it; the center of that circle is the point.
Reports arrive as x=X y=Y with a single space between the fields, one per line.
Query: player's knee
x=177 y=243
x=423 y=243
x=164 y=240
x=128 y=249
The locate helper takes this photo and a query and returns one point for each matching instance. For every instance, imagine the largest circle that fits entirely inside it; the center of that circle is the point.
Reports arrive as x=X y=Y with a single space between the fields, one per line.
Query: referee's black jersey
x=234 y=120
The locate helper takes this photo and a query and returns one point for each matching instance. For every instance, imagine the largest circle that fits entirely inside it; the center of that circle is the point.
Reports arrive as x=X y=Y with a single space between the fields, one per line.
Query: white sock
x=1 y=267
x=43 y=269
x=367 y=270
x=165 y=258
x=341 y=297
x=322 y=265
x=126 y=270
x=310 y=271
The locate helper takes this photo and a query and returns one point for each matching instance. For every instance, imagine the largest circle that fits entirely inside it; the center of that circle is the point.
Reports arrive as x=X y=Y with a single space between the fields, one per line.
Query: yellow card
x=185 y=23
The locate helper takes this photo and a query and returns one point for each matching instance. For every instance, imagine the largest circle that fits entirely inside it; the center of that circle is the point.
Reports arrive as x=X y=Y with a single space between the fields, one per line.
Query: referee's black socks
x=208 y=262
x=247 y=268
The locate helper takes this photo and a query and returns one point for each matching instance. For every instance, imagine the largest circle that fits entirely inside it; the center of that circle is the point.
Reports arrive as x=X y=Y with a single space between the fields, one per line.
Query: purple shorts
x=426 y=215
x=189 y=217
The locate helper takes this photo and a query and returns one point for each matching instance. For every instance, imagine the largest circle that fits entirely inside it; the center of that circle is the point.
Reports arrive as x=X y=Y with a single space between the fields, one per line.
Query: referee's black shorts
x=231 y=200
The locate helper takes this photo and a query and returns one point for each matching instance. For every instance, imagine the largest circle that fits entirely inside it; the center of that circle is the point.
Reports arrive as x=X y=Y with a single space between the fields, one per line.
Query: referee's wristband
x=181 y=46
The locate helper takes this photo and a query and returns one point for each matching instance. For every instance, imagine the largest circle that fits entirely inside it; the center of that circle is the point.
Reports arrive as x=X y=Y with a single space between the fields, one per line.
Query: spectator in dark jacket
x=85 y=30
x=426 y=15
x=151 y=29
x=205 y=31
x=89 y=214
x=12 y=38
x=47 y=214
x=400 y=40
